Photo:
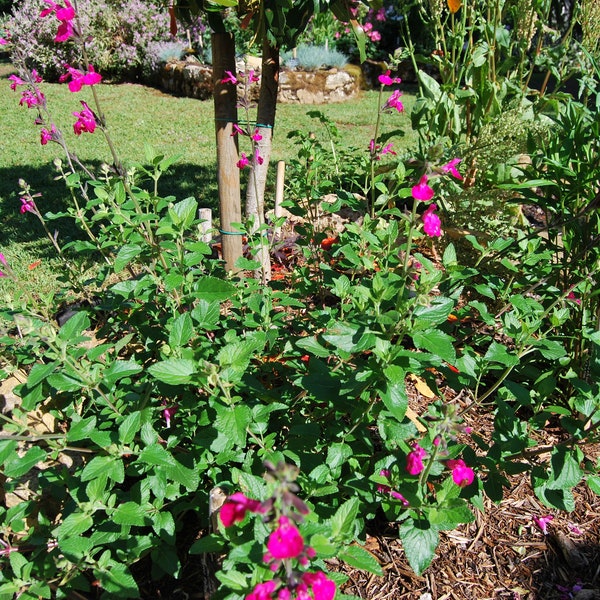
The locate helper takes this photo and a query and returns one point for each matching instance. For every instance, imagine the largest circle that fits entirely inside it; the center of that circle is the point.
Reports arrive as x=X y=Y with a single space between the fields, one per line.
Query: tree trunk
x=228 y=175
x=265 y=120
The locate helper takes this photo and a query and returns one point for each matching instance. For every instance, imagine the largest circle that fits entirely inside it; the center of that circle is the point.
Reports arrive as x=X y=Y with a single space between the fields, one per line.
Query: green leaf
x=499 y=354
x=75 y=524
x=343 y=521
x=75 y=548
x=183 y=213
x=17 y=466
x=7 y=449
x=130 y=513
x=206 y=314
x=593 y=482
x=119 y=369
x=117 y=580
x=394 y=396
x=212 y=289
x=209 y=543
x=75 y=326
x=39 y=372
x=62 y=382
x=182 y=330
x=81 y=428
x=359 y=558
x=174 y=371
x=565 y=470
x=233 y=580
x=435 y=313
x=129 y=427
x=419 y=540
x=125 y=255
x=446 y=518
x=156 y=455
x=233 y=422
x=437 y=342
x=109 y=466
x=350 y=338
x=550 y=349
x=310 y=344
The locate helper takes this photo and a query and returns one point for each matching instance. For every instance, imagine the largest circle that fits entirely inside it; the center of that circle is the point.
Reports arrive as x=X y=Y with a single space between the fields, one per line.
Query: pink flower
x=386 y=489
x=432 y=225
x=542 y=522
x=31 y=98
x=65 y=14
x=422 y=191
x=16 y=80
x=262 y=591
x=414 y=460
x=3 y=260
x=571 y=296
x=252 y=76
x=258 y=158
x=375 y=36
x=168 y=413
x=387 y=149
x=230 y=78
x=285 y=541
x=394 y=101
x=243 y=162
x=451 y=168
x=47 y=136
x=235 y=507
x=237 y=130
x=322 y=587
x=86 y=120
x=461 y=474
x=256 y=135
x=380 y=15
x=27 y=205
x=79 y=78
x=64 y=32
x=3 y=42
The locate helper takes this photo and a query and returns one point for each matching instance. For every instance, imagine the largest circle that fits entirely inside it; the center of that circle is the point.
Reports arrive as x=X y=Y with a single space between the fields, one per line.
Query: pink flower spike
x=432 y=225
x=243 y=162
x=461 y=474
x=235 y=507
x=285 y=541
x=387 y=149
x=422 y=191
x=86 y=120
x=542 y=523
x=414 y=460
x=451 y=168
x=79 y=79
x=230 y=78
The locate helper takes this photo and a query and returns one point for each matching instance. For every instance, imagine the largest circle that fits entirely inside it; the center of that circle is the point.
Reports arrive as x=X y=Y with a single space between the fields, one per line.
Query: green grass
x=138 y=115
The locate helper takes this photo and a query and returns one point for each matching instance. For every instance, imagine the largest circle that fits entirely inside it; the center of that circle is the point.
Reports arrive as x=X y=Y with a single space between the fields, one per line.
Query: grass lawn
x=137 y=115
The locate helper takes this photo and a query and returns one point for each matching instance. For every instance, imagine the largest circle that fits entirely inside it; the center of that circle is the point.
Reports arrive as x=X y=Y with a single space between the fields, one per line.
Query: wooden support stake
x=228 y=175
x=279 y=187
x=205 y=215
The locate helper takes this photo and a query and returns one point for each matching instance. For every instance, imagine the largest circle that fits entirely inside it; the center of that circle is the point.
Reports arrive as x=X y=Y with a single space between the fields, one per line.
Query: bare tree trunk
x=255 y=195
x=228 y=175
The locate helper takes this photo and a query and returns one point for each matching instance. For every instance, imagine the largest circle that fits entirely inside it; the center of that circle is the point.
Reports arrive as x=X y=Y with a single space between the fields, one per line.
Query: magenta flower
x=252 y=76
x=321 y=586
x=414 y=460
x=235 y=508
x=3 y=260
x=432 y=225
x=168 y=413
x=451 y=168
x=3 y=42
x=258 y=159
x=237 y=130
x=375 y=36
x=386 y=489
x=422 y=191
x=230 y=78
x=285 y=541
x=243 y=162
x=394 y=102
x=16 y=80
x=542 y=522
x=86 y=120
x=79 y=78
x=27 y=205
x=385 y=79
x=461 y=474
x=256 y=135
x=31 y=98
x=65 y=14
x=571 y=296
x=262 y=591
x=47 y=136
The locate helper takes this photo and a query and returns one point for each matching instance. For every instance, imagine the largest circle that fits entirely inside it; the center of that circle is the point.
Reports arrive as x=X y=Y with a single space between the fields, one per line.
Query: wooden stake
x=205 y=215
x=228 y=175
x=279 y=187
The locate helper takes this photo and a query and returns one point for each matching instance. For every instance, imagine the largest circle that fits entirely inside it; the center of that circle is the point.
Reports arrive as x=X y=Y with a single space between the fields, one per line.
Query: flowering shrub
x=123 y=36
x=170 y=378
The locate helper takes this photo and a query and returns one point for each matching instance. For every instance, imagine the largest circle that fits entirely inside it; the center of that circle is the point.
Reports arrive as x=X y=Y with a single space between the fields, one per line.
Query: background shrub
x=311 y=58
x=125 y=37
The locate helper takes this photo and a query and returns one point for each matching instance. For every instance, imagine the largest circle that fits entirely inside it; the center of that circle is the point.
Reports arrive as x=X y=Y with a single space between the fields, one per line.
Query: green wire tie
x=231 y=232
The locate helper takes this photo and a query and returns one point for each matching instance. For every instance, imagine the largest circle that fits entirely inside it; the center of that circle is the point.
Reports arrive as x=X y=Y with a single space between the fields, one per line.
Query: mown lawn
x=138 y=115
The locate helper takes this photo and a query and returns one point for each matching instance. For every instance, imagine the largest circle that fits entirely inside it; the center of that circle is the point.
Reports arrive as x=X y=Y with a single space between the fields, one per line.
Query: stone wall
x=194 y=80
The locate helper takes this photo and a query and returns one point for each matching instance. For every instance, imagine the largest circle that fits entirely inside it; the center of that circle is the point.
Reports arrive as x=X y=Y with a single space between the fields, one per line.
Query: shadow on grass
x=181 y=181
